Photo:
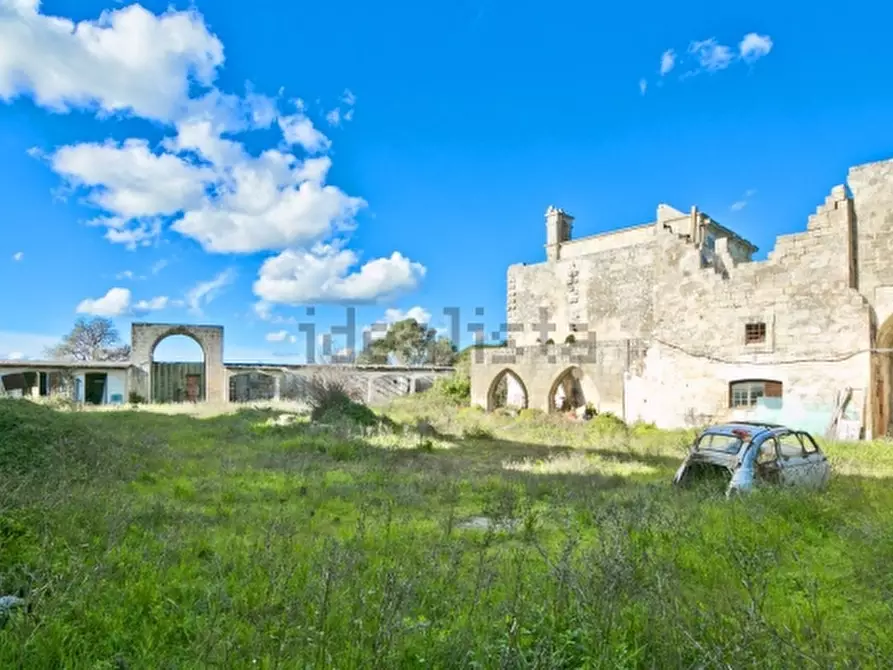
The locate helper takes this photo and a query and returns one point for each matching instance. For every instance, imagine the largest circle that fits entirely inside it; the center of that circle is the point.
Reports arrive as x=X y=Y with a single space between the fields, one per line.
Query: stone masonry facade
x=673 y=322
x=144 y=337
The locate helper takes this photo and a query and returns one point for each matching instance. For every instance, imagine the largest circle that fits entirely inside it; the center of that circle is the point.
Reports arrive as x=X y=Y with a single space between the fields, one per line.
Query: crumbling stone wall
x=817 y=325
x=687 y=288
x=609 y=292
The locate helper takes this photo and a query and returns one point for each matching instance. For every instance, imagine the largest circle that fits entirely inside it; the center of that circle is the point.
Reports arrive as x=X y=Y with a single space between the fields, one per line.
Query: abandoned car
x=743 y=455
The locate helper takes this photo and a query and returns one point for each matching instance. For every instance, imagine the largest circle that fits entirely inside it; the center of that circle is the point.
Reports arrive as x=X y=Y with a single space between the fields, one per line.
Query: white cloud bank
x=114 y=303
x=329 y=274
x=200 y=182
x=119 y=301
x=710 y=55
x=128 y=60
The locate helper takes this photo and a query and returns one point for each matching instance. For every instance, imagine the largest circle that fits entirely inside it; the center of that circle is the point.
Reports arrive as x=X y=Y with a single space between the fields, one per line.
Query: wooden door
x=193 y=387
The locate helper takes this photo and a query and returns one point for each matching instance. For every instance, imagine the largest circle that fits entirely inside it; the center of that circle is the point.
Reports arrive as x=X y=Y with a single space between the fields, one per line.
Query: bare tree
x=96 y=339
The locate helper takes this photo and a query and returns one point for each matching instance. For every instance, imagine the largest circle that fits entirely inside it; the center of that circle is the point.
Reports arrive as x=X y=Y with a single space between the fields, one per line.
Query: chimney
x=558 y=231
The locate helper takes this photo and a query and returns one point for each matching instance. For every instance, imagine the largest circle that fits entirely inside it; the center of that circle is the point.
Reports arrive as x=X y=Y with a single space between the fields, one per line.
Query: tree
x=93 y=340
x=409 y=343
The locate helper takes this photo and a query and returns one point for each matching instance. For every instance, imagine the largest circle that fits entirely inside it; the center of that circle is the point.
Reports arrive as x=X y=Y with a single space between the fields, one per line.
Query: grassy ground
x=153 y=540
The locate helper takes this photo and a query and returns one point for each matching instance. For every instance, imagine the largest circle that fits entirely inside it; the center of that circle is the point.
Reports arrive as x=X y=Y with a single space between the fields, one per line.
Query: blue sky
x=188 y=165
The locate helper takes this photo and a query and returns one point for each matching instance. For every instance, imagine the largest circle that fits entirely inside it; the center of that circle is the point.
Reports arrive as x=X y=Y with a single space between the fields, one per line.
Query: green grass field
x=145 y=540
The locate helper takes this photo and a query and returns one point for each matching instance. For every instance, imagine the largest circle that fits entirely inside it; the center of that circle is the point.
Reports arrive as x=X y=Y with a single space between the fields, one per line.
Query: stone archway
x=507 y=390
x=144 y=337
x=572 y=390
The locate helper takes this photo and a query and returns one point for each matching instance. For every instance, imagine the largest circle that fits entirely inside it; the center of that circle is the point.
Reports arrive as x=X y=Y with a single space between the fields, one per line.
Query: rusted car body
x=748 y=455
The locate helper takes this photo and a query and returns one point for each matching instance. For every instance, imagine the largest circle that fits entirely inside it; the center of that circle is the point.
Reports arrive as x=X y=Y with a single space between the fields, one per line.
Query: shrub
x=476 y=433
x=456 y=388
x=608 y=422
x=333 y=399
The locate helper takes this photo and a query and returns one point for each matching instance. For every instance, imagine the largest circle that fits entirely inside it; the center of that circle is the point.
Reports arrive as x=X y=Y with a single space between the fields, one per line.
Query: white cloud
x=153 y=305
x=199 y=181
x=334 y=117
x=667 y=61
x=393 y=315
x=325 y=274
x=279 y=336
x=711 y=55
x=738 y=205
x=421 y=315
x=129 y=233
x=127 y=60
x=241 y=204
x=270 y=202
x=126 y=274
x=643 y=86
x=754 y=47
x=158 y=266
x=15 y=356
x=17 y=256
x=114 y=303
x=298 y=129
x=204 y=292
x=263 y=310
x=131 y=181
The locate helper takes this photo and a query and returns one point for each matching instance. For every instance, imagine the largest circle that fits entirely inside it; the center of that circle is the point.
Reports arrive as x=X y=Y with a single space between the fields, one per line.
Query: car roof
x=735 y=427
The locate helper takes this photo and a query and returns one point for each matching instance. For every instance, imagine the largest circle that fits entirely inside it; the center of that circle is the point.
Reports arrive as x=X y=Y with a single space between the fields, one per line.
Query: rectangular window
x=754 y=333
x=748 y=393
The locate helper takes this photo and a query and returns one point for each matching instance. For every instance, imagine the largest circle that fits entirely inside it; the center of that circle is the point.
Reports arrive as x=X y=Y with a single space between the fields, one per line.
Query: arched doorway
x=507 y=390
x=883 y=380
x=178 y=369
x=571 y=391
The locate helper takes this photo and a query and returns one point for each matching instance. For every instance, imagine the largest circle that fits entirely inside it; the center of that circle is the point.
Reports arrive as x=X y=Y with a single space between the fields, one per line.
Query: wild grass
x=153 y=540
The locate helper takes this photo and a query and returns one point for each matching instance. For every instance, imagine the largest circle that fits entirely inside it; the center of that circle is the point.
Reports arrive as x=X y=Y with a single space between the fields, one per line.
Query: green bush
x=333 y=400
x=476 y=433
x=456 y=388
x=607 y=422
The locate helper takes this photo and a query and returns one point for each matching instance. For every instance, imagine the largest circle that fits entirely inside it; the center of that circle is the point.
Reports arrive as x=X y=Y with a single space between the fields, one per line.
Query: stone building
x=673 y=322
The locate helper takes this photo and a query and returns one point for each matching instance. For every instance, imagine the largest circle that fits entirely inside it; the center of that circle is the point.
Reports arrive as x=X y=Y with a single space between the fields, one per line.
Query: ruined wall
x=373 y=384
x=872 y=188
x=539 y=368
x=615 y=239
x=682 y=296
x=608 y=293
x=817 y=326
